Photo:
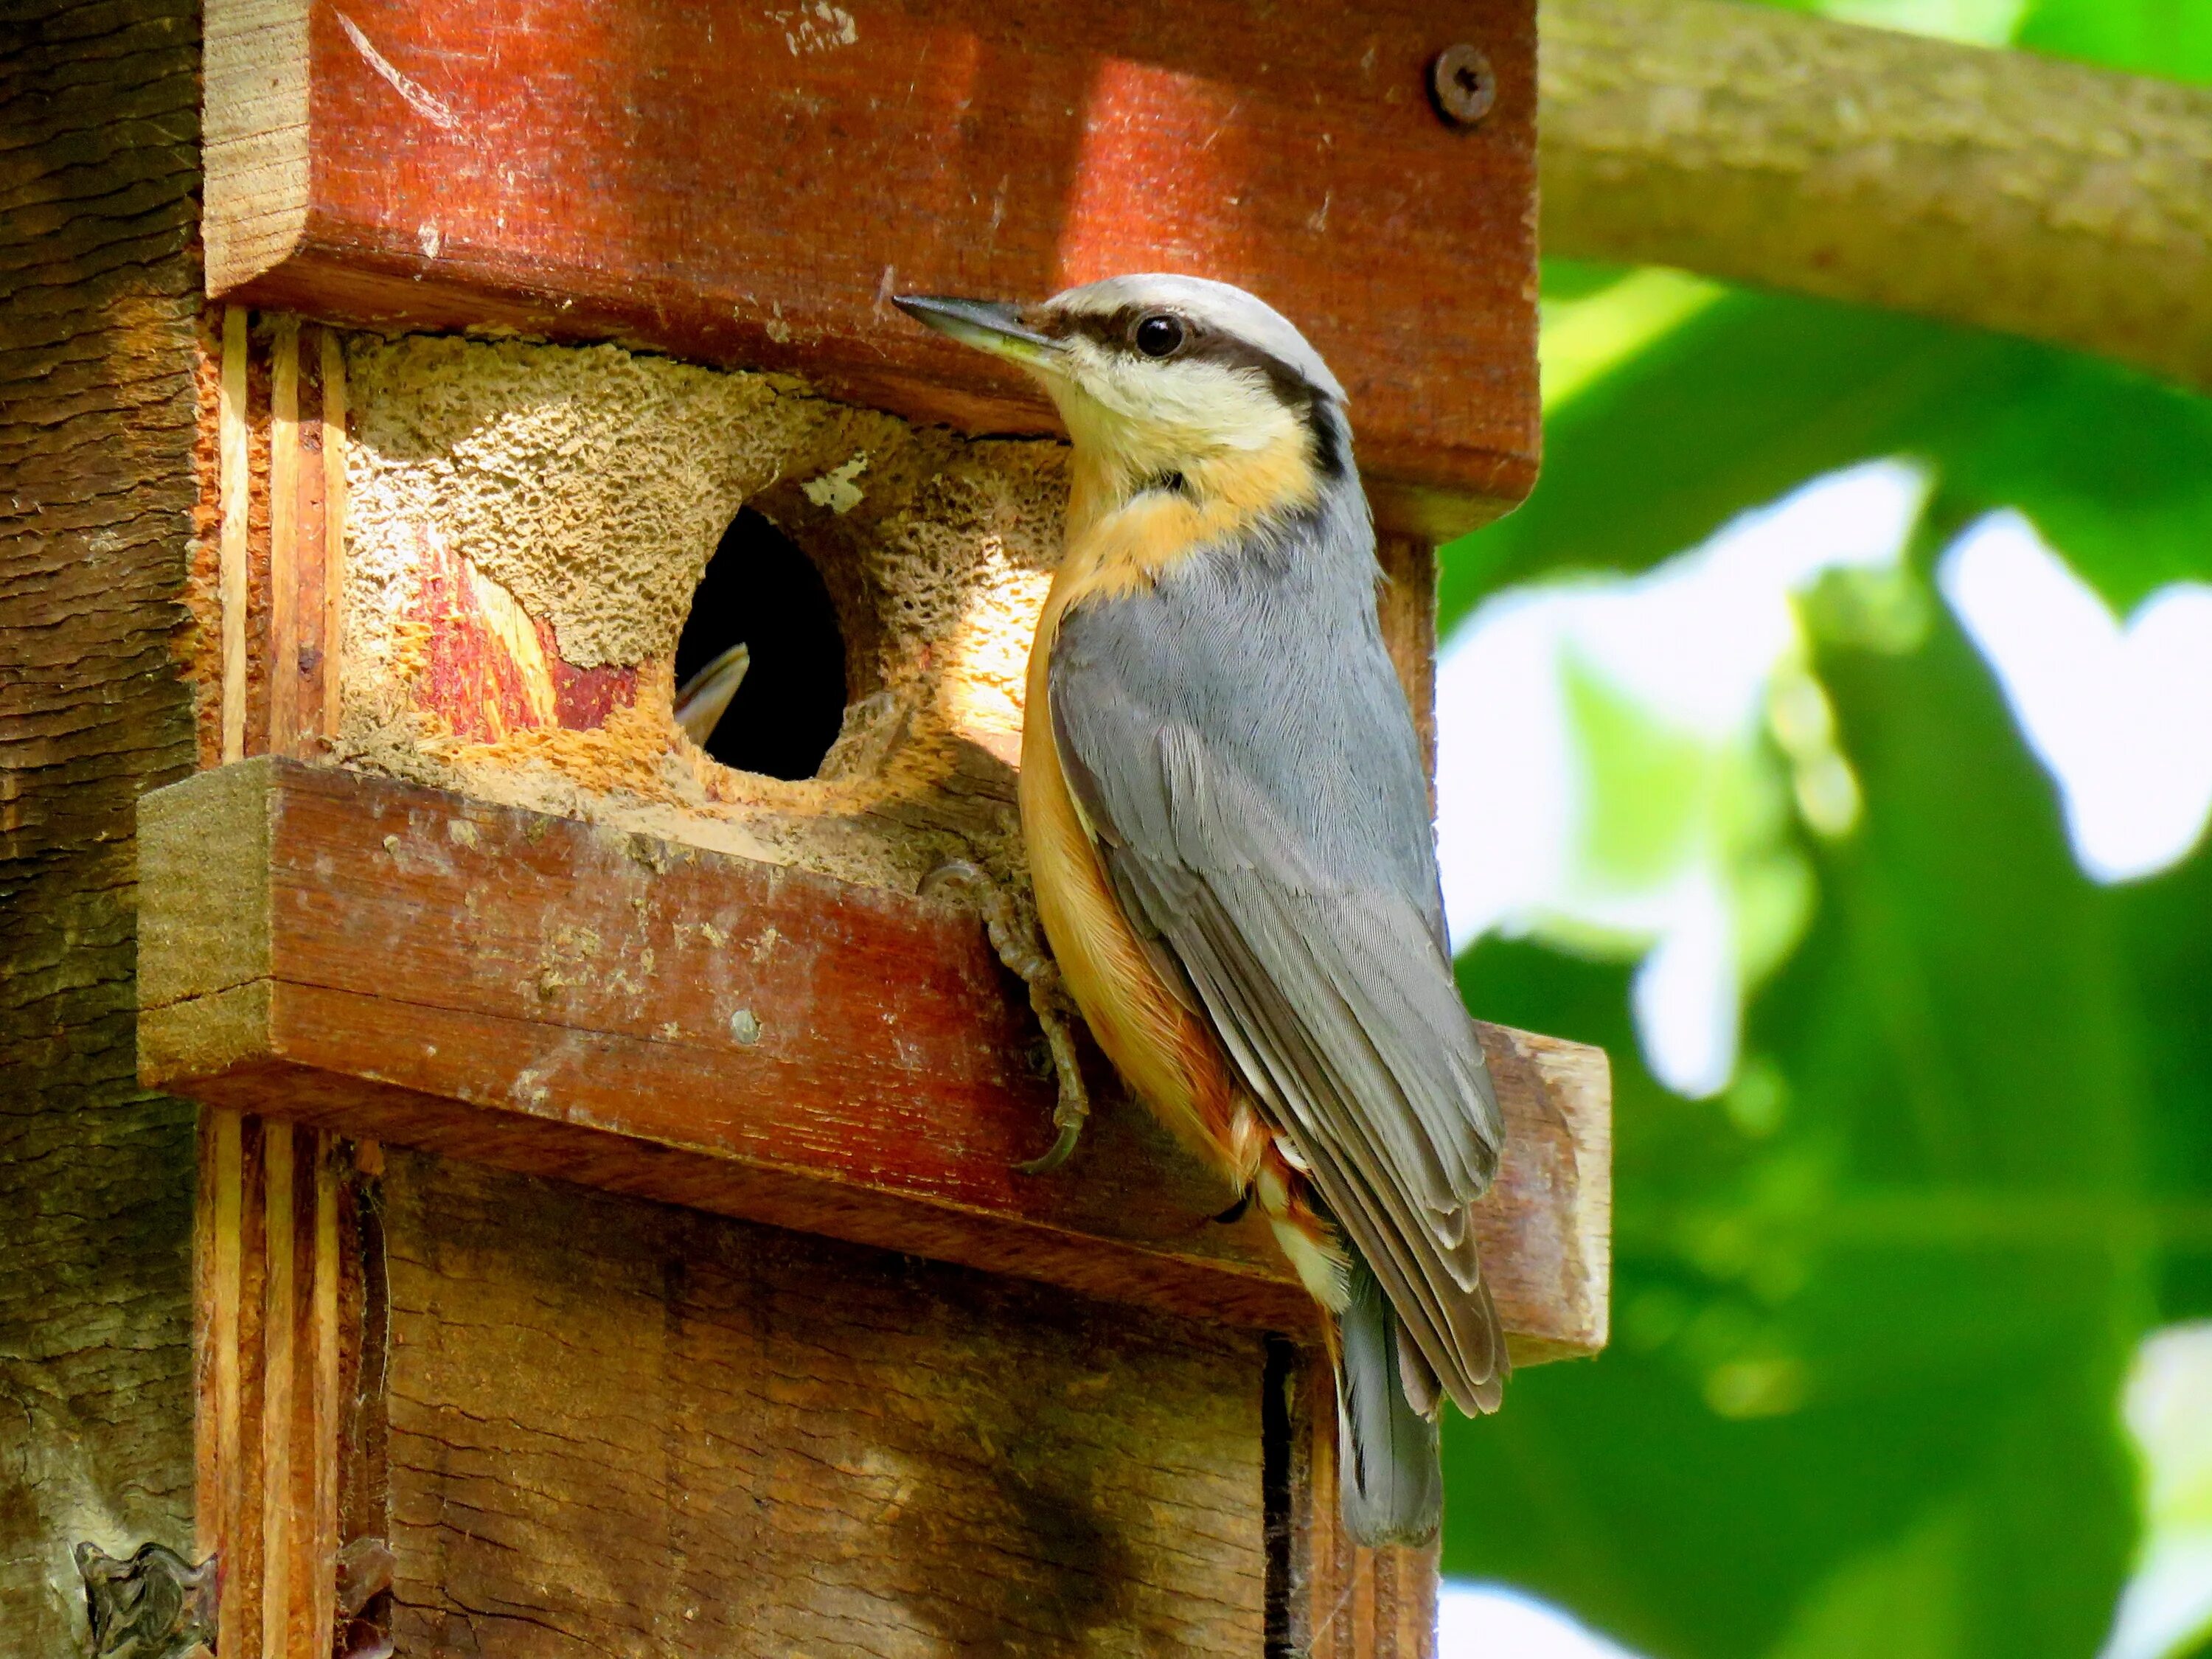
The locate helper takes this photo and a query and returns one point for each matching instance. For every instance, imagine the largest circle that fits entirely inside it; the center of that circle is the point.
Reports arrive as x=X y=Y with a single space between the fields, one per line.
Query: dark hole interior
x=762 y=591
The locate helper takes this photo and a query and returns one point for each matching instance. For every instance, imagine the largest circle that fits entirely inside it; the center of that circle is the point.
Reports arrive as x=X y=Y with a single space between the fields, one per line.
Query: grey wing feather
x=1387 y=1462
x=1240 y=745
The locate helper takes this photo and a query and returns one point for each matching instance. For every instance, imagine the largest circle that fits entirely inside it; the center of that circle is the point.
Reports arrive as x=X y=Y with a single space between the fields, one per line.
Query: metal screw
x=1462 y=85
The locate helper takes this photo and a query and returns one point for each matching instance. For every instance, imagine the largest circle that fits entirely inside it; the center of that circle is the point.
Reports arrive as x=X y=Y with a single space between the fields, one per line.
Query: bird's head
x=1172 y=384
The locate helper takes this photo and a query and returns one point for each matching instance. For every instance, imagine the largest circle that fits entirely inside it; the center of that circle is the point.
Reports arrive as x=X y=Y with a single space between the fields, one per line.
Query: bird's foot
x=1014 y=937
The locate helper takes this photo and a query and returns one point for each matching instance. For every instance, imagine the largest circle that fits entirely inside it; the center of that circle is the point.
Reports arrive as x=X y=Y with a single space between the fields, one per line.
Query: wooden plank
x=284 y=534
x=622 y=1427
x=237 y=486
x=1406 y=607
x=277 y=1360
x=1343 y=1602
x=374 y=161
x=279 y=1319
x=219 y=1273
x=285 y=539
x=321 y=1535
x=399 y=962
x=331 y=419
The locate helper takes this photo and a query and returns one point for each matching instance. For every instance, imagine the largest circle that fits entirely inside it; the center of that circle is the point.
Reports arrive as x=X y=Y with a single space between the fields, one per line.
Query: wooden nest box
x=607 y=1239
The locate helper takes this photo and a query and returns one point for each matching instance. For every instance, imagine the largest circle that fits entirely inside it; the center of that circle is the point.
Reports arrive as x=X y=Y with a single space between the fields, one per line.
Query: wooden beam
x=390 y=962
x=237 y=483
x=744 y=185
x=287 y=542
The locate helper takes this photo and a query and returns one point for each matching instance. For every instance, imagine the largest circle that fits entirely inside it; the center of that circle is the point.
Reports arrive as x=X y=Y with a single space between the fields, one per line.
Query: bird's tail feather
x=1391 y=1481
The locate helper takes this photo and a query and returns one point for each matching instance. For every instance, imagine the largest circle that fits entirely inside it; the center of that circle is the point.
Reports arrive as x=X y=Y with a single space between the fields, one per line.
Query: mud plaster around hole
x=556 y=506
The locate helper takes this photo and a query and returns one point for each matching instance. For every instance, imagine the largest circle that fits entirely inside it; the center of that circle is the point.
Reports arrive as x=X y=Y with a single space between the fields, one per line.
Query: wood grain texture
x=280 y=1340
x=331 y=445
x=406 y=964
x=99 y=292
x=237 y=469
x=1406 y=606
x=282 y=483
x=622 y=1427
x=586 y=174
x=1341 y=1600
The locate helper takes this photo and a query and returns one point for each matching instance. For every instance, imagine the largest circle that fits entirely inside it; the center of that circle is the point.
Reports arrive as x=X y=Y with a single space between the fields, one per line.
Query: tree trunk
x=2001 y=190
x=99 y=291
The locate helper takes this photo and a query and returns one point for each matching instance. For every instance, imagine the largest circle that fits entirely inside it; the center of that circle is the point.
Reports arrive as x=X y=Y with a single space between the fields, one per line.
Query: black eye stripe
x=1114 y=332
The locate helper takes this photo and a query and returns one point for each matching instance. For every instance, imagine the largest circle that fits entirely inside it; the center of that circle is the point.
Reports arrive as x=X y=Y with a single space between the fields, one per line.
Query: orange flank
x=1164 y=1048
x=1157 y=1039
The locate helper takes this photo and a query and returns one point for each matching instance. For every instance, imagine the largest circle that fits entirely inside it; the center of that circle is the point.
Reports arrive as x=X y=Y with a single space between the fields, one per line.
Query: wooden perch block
x=390 y=962
x=744 y=185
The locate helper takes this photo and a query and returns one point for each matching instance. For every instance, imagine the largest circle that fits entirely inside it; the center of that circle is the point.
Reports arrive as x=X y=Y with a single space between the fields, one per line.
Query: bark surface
x=98 y=175
x=2001 y=190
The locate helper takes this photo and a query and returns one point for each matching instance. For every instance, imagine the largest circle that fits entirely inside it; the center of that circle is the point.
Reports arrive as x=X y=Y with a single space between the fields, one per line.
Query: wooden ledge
x=743 y=185
x=572 y=1001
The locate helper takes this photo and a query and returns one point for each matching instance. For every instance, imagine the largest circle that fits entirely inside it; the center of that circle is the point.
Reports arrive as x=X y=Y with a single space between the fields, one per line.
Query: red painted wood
x=584 y=1003
x=476 y=679
x=743 y=184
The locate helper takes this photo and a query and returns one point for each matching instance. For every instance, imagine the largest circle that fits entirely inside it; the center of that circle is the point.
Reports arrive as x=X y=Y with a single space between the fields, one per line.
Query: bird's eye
x=1159 y=335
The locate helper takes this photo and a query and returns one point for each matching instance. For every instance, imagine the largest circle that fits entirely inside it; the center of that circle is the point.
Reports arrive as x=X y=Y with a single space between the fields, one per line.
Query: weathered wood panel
x=624 y=1428
x=99 y=294
x=406 y=964
x=744 y=185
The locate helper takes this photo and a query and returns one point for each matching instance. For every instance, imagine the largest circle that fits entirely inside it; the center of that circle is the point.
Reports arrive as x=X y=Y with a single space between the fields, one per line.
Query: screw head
x=1462 y=85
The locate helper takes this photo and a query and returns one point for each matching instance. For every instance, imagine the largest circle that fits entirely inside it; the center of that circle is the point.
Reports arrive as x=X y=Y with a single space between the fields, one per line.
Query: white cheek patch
x=1162 y=410
x=1228 y=406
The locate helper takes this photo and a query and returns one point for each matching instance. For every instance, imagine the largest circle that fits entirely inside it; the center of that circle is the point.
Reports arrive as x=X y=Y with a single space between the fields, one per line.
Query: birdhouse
x=608 y=1233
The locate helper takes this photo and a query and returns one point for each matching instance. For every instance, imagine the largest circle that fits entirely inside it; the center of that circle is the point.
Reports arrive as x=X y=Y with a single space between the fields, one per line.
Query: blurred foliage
x=2168 y=38
x=2172 y=38
x=1874 y=1304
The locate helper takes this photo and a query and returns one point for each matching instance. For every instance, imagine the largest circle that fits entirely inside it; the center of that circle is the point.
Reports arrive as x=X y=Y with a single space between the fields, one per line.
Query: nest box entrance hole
x=761 y=592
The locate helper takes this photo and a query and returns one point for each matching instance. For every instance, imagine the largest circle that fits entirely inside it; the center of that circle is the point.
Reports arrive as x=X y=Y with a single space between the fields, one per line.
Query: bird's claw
x=1016 y=941
x=1062 y=1145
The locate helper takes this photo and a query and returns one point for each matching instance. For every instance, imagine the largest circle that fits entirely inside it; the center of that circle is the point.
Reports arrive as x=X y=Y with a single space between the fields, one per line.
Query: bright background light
x=1495 y=1621
x=2168 y=1408
x=2121 y=717
x=1605 y=781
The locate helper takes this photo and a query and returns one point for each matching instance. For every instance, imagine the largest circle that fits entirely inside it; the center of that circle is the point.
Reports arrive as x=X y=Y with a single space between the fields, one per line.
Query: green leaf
x=1874 y=1305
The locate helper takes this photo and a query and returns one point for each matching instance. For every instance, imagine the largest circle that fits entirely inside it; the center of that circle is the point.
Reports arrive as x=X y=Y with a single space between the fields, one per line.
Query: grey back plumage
x=1241 y=747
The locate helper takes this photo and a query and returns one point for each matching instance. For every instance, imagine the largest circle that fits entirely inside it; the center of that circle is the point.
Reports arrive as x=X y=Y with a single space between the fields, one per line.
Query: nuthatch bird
x=1226 y=814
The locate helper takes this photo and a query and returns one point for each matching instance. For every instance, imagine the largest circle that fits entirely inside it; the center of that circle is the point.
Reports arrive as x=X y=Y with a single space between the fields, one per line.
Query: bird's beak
x=989 y=325
x=706 y=696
